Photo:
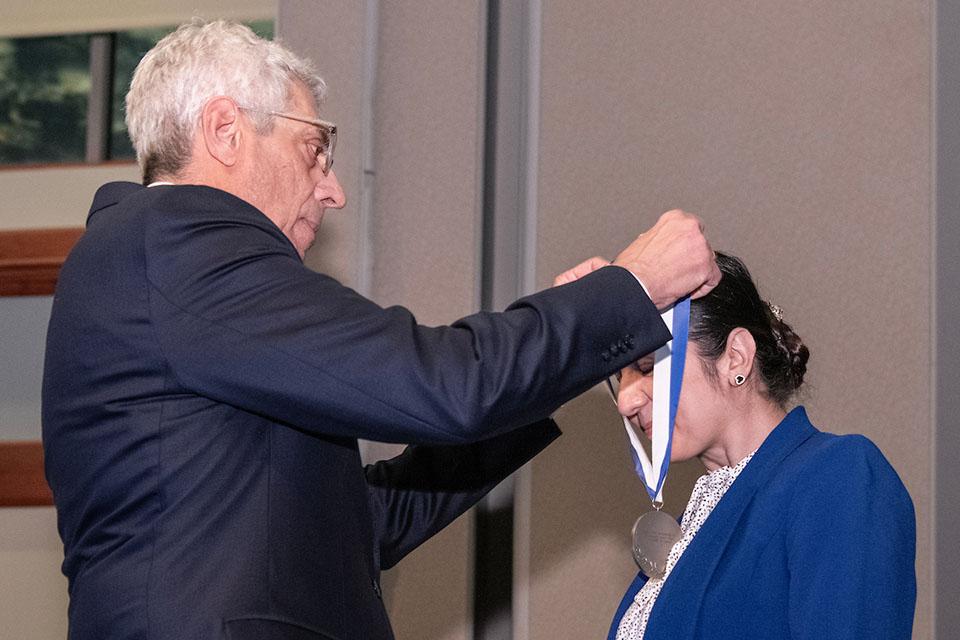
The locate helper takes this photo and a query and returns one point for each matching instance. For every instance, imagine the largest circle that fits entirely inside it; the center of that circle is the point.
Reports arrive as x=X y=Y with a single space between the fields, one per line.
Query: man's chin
x=302 y=245
x=304 y=235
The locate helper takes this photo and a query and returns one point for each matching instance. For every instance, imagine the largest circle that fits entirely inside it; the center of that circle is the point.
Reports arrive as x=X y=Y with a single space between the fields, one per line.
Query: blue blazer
x=203 y=395
x=815 y=540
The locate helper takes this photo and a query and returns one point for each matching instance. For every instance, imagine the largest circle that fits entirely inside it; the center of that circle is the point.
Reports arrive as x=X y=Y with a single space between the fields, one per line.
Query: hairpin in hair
x=776 y=311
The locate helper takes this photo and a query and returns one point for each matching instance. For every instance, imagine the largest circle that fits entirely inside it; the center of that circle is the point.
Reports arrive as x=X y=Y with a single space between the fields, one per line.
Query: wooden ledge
x=30 y=259
x=22 y=483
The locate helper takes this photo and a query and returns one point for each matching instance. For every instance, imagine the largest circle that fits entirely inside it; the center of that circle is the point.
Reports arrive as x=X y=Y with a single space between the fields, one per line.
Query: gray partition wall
x=407 y=91
x=801 y=132
x=946 y=350
x=817 y=140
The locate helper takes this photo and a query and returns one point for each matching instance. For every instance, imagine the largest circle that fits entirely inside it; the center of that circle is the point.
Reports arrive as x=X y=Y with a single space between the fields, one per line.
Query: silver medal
x=654 y=534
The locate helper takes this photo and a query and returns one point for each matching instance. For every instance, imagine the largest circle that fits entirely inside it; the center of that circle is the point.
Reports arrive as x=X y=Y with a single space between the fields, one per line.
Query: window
x=61 y=97
x=44 y=89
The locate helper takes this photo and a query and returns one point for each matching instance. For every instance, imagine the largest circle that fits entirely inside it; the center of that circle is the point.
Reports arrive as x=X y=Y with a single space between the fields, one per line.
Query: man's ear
x=738 y=356
x=220 y=126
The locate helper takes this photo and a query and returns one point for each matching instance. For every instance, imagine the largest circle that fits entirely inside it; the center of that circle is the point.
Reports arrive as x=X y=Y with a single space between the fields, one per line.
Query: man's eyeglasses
x=328 y=135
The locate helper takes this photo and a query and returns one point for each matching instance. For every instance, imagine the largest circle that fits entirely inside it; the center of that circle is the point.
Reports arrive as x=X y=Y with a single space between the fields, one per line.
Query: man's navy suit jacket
x=203 y=395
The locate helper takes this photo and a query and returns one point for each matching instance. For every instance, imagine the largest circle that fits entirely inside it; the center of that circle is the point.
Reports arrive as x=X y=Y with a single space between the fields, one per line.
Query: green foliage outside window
x=44 y=85
x=45 y=88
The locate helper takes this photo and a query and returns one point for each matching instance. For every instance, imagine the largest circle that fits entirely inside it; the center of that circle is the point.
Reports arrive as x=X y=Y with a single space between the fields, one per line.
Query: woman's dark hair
x=781 y=356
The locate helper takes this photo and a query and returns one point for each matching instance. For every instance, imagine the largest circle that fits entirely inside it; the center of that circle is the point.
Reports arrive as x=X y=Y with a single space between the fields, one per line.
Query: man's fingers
x=702 y=291
x=712 y=281
x=715 y=275
x=587 y=266
x=590 y=265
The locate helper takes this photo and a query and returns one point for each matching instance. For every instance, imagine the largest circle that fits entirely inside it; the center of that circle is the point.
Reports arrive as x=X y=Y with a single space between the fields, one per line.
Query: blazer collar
x=689 y=579
x=111 y=194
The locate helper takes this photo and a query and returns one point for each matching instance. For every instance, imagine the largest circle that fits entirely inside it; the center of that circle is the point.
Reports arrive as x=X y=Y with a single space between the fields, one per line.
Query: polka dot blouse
x=706 y=494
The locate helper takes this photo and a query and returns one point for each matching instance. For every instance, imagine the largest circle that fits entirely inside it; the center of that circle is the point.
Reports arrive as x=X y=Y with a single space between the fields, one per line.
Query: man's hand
x=582 y=269
x=672 y=259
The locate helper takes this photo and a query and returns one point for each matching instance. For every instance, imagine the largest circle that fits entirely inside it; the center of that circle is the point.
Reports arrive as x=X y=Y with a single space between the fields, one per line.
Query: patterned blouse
x=706 y=494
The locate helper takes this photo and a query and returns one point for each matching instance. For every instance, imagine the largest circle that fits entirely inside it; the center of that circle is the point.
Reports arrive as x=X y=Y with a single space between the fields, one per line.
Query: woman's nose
x=633 y=395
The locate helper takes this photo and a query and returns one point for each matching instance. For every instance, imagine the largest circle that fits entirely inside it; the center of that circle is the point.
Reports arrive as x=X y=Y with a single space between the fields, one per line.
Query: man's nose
x=329 y=191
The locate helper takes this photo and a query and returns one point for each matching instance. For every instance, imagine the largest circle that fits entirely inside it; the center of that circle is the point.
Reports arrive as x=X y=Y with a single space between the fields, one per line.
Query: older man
x=204 y=391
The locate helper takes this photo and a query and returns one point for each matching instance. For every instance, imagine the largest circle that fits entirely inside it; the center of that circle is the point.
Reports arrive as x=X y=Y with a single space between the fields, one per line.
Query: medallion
x=654 y=534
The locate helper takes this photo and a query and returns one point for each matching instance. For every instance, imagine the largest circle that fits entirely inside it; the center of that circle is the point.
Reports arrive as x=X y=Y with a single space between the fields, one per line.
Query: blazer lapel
x=676 y=612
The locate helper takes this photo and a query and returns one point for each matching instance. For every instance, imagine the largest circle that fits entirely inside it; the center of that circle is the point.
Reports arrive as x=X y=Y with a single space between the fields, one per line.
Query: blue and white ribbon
x=668 y=363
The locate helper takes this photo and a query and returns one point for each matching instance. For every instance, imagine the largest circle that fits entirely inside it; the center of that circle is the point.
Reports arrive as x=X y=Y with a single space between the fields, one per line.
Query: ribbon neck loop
x=668 y=367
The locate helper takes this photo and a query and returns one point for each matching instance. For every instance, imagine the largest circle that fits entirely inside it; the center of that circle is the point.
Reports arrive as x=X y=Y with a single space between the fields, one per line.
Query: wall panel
x=406 y=89
x=800 y=132
x=22 y=18
x=425 y=241
x=65 y=197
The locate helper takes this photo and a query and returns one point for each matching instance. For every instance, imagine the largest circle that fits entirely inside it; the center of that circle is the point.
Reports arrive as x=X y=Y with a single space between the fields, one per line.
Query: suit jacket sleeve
x=416 y=494
x=852 y=548
x=242 y=321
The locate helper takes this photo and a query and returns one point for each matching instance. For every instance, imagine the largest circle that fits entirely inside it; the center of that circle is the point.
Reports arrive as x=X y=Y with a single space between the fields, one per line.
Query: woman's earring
x=738 y=380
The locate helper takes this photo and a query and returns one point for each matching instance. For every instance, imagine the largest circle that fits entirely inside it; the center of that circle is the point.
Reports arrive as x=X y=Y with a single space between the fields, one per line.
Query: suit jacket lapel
x=677 y=609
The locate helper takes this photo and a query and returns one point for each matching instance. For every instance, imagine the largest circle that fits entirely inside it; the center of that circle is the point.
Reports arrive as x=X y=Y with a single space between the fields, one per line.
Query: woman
x=809 y=534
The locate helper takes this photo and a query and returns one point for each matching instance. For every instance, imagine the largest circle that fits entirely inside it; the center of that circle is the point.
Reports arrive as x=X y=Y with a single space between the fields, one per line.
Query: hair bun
x=791 y=347
x=780 y=357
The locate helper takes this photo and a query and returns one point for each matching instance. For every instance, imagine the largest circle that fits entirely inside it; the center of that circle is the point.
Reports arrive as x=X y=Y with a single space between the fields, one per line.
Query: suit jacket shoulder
x=263 y=325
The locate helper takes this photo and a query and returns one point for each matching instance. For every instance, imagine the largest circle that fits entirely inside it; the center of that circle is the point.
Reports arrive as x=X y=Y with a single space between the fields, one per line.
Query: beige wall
x=425 y=233
x=410 y=232
x=32 y=589
x=46 y=17
x=801 y=132
x=55 y=196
